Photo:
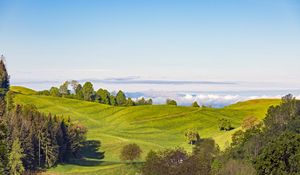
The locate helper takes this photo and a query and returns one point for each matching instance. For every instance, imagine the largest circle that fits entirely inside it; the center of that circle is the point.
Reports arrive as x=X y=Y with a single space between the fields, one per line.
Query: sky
x=165 y=45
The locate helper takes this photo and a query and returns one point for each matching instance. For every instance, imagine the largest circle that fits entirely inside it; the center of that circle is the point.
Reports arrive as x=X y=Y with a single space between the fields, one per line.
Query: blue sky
x=253 y=43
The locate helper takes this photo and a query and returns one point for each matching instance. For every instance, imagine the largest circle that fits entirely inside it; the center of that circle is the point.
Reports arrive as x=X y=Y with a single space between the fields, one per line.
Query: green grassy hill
x=152 y=127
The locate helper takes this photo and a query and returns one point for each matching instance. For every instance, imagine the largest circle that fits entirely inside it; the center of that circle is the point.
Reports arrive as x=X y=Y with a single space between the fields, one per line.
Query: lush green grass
x=152 y=127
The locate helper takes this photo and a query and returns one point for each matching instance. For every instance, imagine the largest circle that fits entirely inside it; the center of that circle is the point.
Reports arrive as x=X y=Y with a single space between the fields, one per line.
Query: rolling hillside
x=151 y=127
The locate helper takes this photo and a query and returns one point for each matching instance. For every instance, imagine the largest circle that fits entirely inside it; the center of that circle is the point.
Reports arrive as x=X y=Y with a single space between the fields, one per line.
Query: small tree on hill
x=225 y=124
x=192 y=136
x=88 y=91
x=195 y=104
x=64 y=89
x=130 y=152
x=130 y=102
x=112 y=100
x=121 y=98
x=171 y=102
x=54 y=91
x=104 y=96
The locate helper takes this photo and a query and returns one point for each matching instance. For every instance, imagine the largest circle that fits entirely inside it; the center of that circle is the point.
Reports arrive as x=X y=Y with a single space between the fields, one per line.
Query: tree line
x=31 y=140
x=86 y=92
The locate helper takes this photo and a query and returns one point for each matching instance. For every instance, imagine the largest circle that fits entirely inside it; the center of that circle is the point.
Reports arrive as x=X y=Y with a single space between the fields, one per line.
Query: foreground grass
x=152 y=127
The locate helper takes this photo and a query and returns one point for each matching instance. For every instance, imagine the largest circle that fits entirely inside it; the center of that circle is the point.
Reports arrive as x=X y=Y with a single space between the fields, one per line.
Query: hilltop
x=152 y=126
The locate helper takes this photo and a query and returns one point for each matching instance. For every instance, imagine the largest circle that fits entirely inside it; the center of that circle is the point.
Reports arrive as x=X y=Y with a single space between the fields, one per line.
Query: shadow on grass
x=90 y=154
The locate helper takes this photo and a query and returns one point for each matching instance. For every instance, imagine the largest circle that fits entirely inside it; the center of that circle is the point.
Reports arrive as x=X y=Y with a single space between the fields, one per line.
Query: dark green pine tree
x=49 y=144
x=4 y=85
x=3 y=148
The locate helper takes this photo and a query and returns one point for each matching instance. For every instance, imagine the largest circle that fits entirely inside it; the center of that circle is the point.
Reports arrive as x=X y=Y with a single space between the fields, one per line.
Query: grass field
x=152 y=127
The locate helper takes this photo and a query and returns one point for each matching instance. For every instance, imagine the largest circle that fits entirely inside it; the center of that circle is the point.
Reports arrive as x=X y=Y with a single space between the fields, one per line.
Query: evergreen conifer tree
x=15 y=159
x=4 y=85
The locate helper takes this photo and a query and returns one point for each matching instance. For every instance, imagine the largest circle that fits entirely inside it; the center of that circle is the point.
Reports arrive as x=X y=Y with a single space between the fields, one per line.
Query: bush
x=171 y=102
x=225 y=125
x=192 y=136
x=130 y=152
x=195 y=104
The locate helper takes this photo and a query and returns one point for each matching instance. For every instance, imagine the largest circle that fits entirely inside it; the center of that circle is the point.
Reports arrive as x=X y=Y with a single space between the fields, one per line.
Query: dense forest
x=30 y=140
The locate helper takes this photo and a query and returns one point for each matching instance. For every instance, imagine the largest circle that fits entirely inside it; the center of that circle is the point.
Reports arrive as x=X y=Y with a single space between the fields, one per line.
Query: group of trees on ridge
x=87 y=93
x=31 y=140
x=103 y=96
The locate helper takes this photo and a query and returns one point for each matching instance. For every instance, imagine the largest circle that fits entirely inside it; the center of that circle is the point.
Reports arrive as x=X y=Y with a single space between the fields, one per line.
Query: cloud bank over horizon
x=214 y=99
x=215 y=94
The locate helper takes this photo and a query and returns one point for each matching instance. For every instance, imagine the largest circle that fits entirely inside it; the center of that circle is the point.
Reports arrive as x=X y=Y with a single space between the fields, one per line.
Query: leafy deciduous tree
x=130 y=152
x=88 y=91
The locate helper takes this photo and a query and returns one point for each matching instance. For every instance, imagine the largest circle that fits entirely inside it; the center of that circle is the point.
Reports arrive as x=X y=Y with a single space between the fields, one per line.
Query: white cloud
x=208 y=99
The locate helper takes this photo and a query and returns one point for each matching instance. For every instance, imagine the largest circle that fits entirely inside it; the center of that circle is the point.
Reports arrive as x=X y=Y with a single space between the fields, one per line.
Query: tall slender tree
x=15 y=159
x=3 y=148
x=4 y=85
x=88 y=91
x=121 y=98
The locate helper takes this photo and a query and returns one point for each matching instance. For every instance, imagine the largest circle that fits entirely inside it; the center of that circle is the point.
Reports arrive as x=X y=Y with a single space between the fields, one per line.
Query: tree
x=74 y=85
x=195 y=104
x=49 y=143
x=143 y=101
x=225 y=124
x=200 y=162
x=249 y=122
x=169 y=161
x=149 y=101
x=130 y=152
x=15 y=159
x=4 y=85
x=63 y=89
x=279 y=116
x=78 y=92
x=88 y=91
x=130 y=102
x=3 y=147
x=238 y=138
x=281 y=156
x=120 y=98
x=77 y=136
x=112 y=100
x=171 y=102
x=9 y=100
x=104 y=96
x=54 y=92
x=192 y=136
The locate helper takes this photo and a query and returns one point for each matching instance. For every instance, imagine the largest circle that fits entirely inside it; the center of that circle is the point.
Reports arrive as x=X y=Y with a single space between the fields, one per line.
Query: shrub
x=195 y=104
x=171 y=102
x=225 y=125
x=130 y=152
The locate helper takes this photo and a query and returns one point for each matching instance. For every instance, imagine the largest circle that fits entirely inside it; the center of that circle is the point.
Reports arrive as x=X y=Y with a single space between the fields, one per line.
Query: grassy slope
x=152 y=127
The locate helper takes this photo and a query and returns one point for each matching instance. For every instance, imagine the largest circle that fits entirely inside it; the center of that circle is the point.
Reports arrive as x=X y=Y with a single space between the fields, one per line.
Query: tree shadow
x=90 y=154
